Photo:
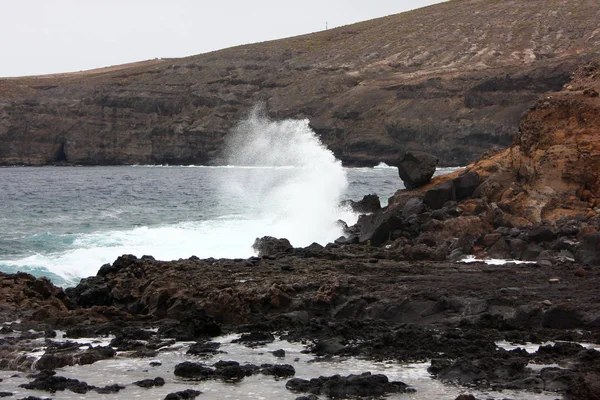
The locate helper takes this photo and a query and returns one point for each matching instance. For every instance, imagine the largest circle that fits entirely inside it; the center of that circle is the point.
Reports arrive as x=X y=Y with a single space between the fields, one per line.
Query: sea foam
x=280 y=181
x=301 y=202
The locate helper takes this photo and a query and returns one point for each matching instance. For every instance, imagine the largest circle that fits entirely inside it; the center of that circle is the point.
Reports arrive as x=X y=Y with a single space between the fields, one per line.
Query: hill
x=453 y=79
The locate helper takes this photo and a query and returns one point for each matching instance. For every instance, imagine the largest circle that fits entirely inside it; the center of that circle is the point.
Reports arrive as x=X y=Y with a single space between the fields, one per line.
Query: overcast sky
x=49 y=36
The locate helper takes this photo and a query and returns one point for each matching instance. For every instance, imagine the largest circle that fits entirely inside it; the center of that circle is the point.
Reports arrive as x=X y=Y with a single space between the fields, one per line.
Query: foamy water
x=124 y=370
x=280 y=181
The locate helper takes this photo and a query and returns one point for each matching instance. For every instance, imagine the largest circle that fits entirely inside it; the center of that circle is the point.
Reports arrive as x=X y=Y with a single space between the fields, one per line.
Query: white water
x=303 y=203
x=124 y=370
x=281 y=181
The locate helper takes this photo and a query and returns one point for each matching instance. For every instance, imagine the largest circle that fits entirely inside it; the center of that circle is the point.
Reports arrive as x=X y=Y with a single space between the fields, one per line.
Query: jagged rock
x=194 y=370
x=270 y=246
x=351 y=386
x=183 y=395
x=465 y=184
x=436 y=197
x=369 y=203
x=192 y=325
x=416 y=168
x=204 y=349
x=563 y=316
x=589 y=250
x=541 y=234
x=47 y=381
x=412 y=207
x=148 y=383
x=376 y=228
x=278 y=370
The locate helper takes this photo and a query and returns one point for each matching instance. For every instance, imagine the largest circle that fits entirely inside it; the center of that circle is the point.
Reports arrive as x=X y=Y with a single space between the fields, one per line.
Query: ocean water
x=66 y=222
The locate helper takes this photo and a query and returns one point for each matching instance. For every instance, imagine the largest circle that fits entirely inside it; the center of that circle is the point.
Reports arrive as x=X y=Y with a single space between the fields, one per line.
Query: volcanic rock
x=369 y=203
x=351 y=386
x=270 y=246
x=416 y=168
x=183 y=395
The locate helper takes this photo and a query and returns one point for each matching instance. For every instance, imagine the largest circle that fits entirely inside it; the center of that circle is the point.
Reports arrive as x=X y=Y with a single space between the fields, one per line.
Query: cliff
x=552 y=171
x=452 y=79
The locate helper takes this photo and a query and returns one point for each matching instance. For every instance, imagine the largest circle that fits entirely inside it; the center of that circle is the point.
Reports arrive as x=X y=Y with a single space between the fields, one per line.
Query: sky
x=52 y=36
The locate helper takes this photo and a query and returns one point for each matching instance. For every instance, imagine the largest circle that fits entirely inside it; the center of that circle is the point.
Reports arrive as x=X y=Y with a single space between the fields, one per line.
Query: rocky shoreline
x=395 y=288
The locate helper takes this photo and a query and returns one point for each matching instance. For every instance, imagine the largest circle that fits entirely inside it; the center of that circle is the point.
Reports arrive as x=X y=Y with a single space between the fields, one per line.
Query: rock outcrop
x=451 y=79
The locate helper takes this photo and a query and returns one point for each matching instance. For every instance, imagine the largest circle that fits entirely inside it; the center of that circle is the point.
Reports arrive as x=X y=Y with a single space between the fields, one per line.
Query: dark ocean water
x=65 y=222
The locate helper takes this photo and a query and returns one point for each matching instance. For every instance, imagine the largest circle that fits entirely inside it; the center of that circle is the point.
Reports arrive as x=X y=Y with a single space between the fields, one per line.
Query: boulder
x=563 y=316
x=436 y=197
x=412 y=207
x=344 y=387
x=270 y=246
x=369 y=204
x=466 y=184
x=377 y=228
x=589 y=250
x=416 y=168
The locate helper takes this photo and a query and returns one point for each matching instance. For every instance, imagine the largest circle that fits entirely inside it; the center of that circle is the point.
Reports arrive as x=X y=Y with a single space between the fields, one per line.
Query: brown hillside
x=452 y=79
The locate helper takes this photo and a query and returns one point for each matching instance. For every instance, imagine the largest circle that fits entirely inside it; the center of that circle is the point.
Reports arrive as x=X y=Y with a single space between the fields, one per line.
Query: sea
x=278 y=180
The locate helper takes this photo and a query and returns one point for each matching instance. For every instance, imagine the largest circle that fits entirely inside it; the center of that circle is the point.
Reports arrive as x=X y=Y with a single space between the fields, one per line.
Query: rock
x=351 y=386
x=369 y=204
x=193 y=370
x=47 y=381
x=378 y=227
x=270 y=246
x=517 y=248
x=532 y=252
x=416 y=168
x=278 y=370
x=148 y=383
x=192 y=325
x=436 y=197
x=309 y=397
x=279 y=353
x=500 y=249
x=255 y=338
x=465 y=184
x=563 y=316
x=204 y=349
x=412 y=207
x=589 y=250
x=121 y=262
x=539 y=234
x=183 y=395
x=92 y=291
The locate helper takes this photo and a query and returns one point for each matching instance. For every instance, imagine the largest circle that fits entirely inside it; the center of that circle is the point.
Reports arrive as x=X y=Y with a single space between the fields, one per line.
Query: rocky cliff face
x=553 y=169
x=452 y=79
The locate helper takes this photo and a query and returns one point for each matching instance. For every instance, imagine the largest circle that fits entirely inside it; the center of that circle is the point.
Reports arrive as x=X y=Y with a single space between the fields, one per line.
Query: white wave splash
x=302 y=202
x=280 y=181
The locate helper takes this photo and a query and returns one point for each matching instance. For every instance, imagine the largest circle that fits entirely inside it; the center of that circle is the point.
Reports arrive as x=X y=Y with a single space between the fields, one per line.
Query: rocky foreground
x=393 y=288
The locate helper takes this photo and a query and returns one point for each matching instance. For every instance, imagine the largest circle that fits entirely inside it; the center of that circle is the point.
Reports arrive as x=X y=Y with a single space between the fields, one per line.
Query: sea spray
x=298 y=184
x=64 y=223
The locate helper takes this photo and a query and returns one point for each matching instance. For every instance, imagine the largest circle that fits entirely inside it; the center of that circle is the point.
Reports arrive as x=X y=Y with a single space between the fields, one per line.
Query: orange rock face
x=553 y=169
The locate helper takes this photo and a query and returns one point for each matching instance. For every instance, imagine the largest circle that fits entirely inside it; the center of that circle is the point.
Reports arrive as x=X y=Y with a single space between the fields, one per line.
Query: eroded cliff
x=452 y=79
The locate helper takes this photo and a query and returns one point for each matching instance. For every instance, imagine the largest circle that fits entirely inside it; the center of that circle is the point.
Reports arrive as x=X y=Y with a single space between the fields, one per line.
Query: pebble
x=547 y=303
x=554 y=280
